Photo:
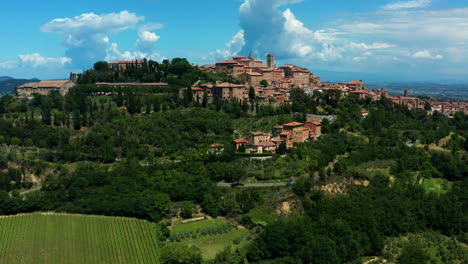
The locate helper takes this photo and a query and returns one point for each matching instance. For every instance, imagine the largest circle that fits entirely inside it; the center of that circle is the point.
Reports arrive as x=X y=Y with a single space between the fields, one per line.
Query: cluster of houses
x=271 y=84
x=287 y=134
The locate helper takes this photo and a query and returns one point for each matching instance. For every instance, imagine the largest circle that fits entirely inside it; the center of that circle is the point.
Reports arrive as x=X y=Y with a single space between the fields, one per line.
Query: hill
x=8 y=84
x=61 y=238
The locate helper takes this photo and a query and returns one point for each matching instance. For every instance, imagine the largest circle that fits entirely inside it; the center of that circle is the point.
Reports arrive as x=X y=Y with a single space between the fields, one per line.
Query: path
x=30 y=191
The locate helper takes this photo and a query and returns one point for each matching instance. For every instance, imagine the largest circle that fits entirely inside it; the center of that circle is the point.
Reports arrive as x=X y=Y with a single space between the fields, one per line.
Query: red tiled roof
x=227 y=62
x=56 y=84
x=197 y=89
x=254 y=73
x=265 y=144
x=316 y=123
x=239 y=141
x=355 y=82
x=229 y=85
x=293 y=124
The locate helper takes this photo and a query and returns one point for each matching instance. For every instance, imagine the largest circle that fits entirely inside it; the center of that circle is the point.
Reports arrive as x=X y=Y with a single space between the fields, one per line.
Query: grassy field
x=212 y=243
x=55 y=238
x=437 y=185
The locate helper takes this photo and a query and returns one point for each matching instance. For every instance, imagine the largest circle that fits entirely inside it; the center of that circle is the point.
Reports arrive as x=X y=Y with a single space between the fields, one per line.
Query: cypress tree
x=76 y=120
x=205 y=99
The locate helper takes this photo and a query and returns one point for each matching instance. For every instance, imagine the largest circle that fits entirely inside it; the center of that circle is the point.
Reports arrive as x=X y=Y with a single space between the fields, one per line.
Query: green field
x=55 y=238
x=437 y=185
x=211 y=244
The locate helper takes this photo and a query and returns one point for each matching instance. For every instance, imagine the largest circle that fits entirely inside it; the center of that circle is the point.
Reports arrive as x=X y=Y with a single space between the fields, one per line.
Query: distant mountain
x=8 y=84
x=3 y=78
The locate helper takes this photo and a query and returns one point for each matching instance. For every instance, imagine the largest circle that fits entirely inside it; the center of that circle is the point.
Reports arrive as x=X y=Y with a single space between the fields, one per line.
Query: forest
x=146 y=154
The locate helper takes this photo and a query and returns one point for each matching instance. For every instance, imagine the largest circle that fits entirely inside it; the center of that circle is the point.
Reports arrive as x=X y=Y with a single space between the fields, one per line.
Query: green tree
x=15 y=141
x=427 y=106
x=101 y=66
x=251 y=94
x=76 y=120
x=186 y=209
x=180 y=254
x=264 y=83
x=413 y=254
x=205 y=99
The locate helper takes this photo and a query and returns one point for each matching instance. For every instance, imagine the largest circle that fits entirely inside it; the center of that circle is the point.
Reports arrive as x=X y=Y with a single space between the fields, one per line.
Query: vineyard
x=56 y=238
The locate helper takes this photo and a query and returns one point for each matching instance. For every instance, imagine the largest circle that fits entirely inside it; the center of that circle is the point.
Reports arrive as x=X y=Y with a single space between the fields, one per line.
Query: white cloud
x=146 y=41
x=113 y=53
x=407 y=4
x=8 y=64
x=85 y=37
x=233 y=47
x=91 y=23
x=36 y=60
x=401 y=36
x=425 y=54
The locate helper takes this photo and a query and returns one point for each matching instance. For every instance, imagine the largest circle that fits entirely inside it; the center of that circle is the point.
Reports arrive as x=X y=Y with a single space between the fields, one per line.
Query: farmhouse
x=44 y=88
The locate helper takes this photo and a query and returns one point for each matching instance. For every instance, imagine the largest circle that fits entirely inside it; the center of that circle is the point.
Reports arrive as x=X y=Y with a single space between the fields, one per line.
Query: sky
x=339 y=40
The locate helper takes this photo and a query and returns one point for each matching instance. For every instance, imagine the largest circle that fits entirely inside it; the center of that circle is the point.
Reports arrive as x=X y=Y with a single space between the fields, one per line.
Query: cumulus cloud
x=114 y=53
x=267 y=29
x=233 y=47
x=85 y=37
x=35 y=60
x=146 y=41
x=395 y=38
x=407 y=4
x=8 y=64
x=425 y=54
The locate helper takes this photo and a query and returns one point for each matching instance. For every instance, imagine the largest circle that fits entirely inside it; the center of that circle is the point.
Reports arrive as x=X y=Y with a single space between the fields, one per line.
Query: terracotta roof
x=285 y=133
x=254 y=73
x=56 y=84
x=227 y=62
x=265 y=144
x=241 y=140
x=355 y=82
x=293 y=124
x=264 y=69
x=28 y=85
x=216 y=145
x=197 y=89
x=229 y=85
x=316 y=123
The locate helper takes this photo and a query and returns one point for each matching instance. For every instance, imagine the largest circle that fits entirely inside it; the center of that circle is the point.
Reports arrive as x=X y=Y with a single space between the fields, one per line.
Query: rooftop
x=293 y=124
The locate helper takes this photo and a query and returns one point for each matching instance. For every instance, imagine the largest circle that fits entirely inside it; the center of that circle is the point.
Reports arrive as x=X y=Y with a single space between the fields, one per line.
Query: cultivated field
x=56 y=238
x=210 y=236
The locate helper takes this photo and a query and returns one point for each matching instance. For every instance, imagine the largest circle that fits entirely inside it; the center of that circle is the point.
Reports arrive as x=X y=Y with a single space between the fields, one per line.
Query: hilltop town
x=233 y=160
x=269 y=84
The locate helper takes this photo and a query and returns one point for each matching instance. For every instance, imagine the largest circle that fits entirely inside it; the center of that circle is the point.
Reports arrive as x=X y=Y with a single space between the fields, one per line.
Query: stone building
x=228 y=91
x=44 y=87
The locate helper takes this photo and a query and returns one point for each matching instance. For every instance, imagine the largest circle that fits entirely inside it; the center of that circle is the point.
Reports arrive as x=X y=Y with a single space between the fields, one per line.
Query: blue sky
x=390 y=40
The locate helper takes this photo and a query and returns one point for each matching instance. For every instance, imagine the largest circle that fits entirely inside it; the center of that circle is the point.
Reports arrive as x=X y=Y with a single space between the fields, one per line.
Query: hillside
x=53 y=238
x=8 y=84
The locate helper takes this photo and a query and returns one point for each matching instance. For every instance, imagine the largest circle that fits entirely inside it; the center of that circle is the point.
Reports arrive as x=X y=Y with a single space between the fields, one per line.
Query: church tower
x=271 y=61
